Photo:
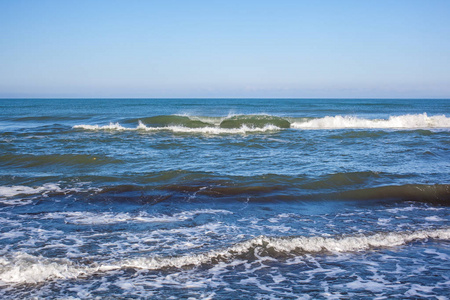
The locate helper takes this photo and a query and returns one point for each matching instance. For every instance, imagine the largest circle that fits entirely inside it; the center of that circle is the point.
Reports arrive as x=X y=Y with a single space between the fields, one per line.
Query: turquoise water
x=224 y=198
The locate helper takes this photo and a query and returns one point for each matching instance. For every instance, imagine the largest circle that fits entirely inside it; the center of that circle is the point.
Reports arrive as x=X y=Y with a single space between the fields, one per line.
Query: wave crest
x=254 y=121
x=394 y=122
x=241 y=124
x=182 y=129
x=24 y=268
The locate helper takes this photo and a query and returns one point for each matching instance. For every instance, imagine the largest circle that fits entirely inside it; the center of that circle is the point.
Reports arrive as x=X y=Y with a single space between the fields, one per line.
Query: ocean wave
x=9 y=193
x=254 y=121
x=241 y=124
x=228 y=122
x=173 y=120
x=15 y=190
x=20 y=268
x=437 y=193
x=181 y=129
x=193 y=187
x=418 y=121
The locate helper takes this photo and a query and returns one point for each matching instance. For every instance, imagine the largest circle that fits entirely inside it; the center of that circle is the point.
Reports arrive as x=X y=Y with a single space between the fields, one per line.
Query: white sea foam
x=205 y=211
x=181 y=129
x=111 y=126
x=104 y=218
x=395 y=122
x=25 y=268
x=15 y=190
x=8 y=192
x=434 y=219
x=89 y=218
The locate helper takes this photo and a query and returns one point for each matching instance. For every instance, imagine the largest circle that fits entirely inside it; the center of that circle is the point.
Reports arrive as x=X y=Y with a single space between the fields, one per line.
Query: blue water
x=224 y=198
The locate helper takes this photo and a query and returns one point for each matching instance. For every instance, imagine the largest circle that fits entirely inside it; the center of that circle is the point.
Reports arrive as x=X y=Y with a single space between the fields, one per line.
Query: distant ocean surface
x=224 y=198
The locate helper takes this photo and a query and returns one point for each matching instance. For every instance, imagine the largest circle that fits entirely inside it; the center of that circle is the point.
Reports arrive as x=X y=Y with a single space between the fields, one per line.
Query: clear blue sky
x=167 y=48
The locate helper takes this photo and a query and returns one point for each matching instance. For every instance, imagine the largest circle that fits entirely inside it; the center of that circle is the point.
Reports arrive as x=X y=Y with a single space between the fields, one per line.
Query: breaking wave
x=21 y=194
x=241 y=124
x=394 y=122
x=22 y=268
x=181 y=129
x=15 y=190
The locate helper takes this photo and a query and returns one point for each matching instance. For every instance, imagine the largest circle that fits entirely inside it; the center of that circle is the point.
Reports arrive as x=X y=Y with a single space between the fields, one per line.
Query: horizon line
x=224 y=98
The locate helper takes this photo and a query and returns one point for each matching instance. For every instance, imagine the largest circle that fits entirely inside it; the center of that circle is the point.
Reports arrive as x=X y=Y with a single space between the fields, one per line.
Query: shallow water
x=217 y=198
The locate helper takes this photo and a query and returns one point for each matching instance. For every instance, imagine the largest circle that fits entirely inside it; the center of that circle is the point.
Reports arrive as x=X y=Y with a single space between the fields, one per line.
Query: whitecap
x=181 y=129
x=15 y=190
x=25 y=268
x=416 y=121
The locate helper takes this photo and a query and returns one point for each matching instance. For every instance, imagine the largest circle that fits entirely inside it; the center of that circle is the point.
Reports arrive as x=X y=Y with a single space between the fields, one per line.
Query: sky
x=227 y=49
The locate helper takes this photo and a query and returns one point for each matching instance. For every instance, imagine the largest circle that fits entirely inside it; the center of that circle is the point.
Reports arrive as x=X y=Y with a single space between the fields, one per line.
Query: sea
x=224 y=199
